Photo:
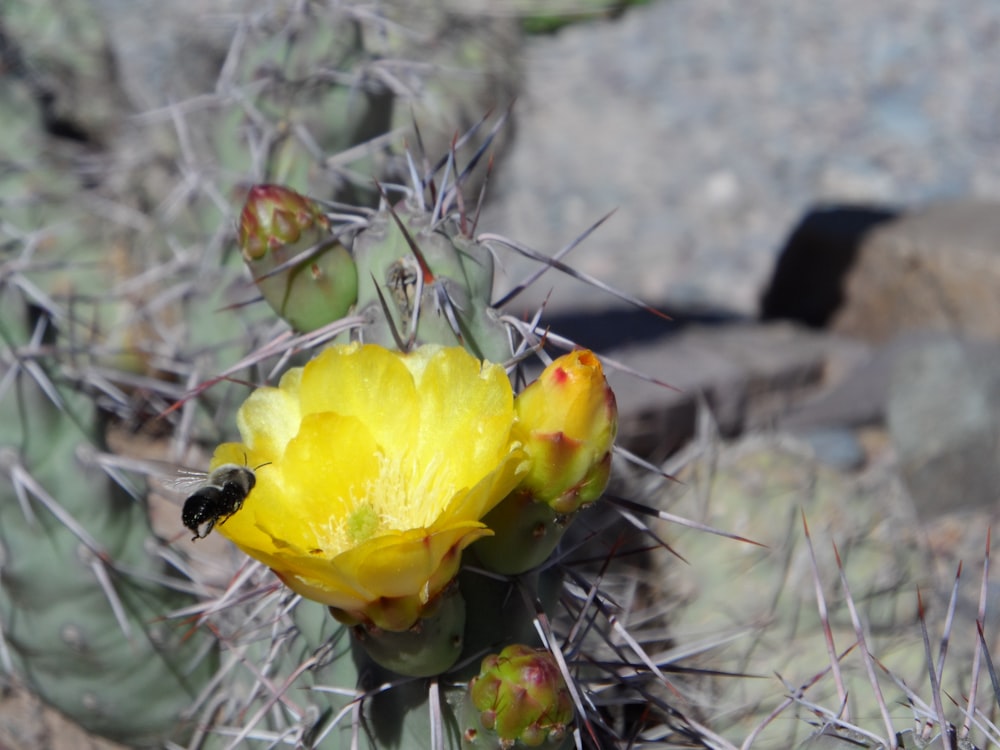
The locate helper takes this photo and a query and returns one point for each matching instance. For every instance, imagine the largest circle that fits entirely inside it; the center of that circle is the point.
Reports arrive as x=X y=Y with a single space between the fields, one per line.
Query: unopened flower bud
x=277 y=226
x=567 y=422
x=519 y=697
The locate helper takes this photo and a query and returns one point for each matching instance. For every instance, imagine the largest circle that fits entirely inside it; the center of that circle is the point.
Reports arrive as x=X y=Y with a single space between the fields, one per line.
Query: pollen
x=407 y=495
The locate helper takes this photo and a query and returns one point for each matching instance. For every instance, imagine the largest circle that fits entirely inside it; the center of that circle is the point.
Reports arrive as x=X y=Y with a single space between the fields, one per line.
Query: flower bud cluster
x=520 y=696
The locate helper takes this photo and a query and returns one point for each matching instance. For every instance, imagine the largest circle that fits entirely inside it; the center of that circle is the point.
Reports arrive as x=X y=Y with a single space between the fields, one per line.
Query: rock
x=838 y=448
x=871 y=273
x=808 y=281
x=712 y=127
x=26 y=723
x=944 y=419
x=746 y=374
x=935 y=269
x=941 y=399
x=853 y=395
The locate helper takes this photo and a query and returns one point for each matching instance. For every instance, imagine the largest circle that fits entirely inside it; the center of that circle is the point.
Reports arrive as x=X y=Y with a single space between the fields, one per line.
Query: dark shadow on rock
x=808 y=280
x=611 y=329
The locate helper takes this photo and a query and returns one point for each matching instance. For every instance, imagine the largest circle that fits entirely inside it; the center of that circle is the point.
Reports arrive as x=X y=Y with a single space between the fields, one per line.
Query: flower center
x=404 y=495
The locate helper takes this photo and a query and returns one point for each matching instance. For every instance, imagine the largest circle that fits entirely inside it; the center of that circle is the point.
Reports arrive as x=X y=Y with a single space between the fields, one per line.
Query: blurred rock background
x=714 y=126
x=809 y=189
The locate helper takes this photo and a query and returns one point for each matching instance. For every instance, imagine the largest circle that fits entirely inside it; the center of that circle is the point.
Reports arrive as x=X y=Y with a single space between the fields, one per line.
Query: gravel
x=711 y=125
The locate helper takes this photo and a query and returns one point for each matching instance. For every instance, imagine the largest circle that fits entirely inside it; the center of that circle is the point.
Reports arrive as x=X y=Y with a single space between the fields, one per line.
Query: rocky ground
x=851 y=146
x=713 y=125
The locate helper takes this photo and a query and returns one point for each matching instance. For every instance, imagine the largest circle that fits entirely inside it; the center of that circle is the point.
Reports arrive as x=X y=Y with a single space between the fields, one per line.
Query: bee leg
x=208 y=529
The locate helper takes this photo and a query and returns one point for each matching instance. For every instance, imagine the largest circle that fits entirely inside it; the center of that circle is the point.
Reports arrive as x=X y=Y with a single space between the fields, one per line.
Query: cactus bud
x=428 y=647
x=276 y=225
x=567 y=421
x=519 y=697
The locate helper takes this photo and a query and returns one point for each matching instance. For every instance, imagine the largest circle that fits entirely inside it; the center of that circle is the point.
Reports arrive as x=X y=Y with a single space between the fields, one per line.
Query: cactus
x=102 y=611
x=115 y=357
x=86 y=358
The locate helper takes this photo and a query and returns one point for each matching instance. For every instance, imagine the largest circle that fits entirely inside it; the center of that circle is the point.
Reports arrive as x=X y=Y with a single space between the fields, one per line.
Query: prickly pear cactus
x=118 y=289
x=419 y=317
x=85 y=589
x=423 y=559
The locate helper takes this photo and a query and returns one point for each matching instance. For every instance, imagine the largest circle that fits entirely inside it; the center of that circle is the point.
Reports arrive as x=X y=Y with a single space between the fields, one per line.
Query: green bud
x=431 y=646
x=524 y=534
x=277 y=225
x=519 y=699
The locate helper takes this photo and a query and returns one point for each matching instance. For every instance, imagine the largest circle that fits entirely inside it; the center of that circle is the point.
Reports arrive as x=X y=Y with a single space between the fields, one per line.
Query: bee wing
x=163 y=473
x=186 y=480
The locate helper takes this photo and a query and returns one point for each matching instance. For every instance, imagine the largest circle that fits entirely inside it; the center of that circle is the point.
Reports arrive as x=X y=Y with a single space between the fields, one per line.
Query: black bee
x=219 y=498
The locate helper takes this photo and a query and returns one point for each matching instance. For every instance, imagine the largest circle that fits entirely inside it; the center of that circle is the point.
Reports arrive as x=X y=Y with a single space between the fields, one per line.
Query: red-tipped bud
x=274 y=216
x=304 y=273
x=519 y=696
x=567 y=422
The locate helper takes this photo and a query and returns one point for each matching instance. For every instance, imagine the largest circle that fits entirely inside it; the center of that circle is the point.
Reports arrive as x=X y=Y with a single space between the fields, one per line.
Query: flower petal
x=367 y=382
x=466 y=410
x=270 y=417
x=400 y=564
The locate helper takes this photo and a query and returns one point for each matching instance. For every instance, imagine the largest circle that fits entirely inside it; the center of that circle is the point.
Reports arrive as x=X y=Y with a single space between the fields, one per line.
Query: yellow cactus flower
x=567 y=421
x=376 y=469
